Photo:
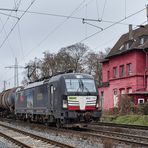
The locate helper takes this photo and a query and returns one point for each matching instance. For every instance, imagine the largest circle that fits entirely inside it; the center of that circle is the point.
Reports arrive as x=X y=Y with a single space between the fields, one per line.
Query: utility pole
x=16 y=75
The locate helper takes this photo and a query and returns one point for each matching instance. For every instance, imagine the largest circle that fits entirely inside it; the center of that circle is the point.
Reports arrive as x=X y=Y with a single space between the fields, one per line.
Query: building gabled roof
x=119 y=47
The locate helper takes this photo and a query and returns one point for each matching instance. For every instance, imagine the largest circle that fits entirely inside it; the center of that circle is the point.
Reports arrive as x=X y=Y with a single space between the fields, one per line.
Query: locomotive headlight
x=65 y=104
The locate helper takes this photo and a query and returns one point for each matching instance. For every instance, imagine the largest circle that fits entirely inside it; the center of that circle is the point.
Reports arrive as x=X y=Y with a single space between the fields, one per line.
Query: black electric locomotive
x=68 y=98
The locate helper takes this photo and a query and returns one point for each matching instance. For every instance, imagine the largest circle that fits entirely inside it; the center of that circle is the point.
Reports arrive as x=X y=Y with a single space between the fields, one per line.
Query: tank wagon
x=62 y=99
x=7 y=101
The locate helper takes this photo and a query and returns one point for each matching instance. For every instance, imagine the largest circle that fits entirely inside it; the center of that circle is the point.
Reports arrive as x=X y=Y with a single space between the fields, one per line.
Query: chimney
x=130 y=31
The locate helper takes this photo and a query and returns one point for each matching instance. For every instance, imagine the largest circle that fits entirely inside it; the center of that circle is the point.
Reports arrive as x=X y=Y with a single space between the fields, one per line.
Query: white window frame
x=115 y=72
x=129 y=90
x=129 y=69
x=140 y=99
x=115 y=97
x=127 y=46
x=142 y=41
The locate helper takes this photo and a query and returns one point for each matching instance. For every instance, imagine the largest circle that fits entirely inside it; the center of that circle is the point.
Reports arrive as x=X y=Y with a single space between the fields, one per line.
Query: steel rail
x=48 y=141
x=140 y=127
x=121 y=135
x=117 y=139
x=17 y=142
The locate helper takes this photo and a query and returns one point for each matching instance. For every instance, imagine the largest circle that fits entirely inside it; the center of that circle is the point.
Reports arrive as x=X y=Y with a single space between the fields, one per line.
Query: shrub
x=113 y=111
x=140 y=109
x=145 y=108
x=125 y=104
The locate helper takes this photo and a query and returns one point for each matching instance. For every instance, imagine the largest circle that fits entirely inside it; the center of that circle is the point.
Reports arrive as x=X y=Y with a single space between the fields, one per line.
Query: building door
x=115 y=97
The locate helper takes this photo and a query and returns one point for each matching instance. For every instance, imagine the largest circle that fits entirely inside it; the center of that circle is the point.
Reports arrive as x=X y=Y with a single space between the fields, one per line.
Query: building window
x=129 y=69
x=127 y=46
x=122 y=91
x=122 y=47
x=129 y=90
x=115 y=97
x=142 y=41
x=121 y=70
x=115 y=73
x=108 y=75
x=140 y=100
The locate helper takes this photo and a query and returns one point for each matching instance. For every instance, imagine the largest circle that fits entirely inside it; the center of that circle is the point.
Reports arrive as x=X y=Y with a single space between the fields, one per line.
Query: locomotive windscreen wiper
x=82 y=87
x=87 y=90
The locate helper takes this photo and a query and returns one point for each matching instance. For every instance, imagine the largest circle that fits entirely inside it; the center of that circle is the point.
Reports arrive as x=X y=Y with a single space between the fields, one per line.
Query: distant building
x=125 y=69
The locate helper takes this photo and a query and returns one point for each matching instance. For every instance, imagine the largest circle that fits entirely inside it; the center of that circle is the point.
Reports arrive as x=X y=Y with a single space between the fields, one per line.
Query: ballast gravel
x=6 y=144
x=73 y=141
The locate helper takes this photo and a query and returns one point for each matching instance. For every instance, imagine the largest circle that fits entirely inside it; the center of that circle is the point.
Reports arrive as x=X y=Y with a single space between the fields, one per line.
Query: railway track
x=100 y=135
x=140 y=127
x=28 y=140
x=119 y=137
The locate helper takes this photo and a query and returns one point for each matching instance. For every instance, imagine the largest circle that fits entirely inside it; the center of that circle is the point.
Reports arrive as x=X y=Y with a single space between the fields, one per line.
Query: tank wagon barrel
x=7 y=98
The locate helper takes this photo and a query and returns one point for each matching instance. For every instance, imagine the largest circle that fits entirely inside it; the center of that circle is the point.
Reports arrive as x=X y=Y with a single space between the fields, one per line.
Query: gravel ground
x=6 y=144
x=67 y=139
x=122 y=130
x=73 y=141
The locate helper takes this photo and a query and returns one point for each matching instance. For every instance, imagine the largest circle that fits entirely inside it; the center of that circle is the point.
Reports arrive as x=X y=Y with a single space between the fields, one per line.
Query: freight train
x=69 y=98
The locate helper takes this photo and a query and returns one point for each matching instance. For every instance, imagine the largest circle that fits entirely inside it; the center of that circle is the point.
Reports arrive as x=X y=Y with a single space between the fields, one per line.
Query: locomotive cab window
x=80 y=85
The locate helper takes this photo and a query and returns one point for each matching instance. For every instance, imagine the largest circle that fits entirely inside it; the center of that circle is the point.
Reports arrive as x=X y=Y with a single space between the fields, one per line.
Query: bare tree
x=77 y=53
x=76 y=57
x=32 y=71
x=48 y=67
x=93 y=65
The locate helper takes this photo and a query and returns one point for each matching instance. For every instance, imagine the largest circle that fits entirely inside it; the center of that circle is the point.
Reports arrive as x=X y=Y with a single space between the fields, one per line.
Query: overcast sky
x=35 y=33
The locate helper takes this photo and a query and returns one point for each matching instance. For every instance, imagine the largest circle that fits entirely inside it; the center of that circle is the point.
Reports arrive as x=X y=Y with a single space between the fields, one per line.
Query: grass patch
x=128 y=119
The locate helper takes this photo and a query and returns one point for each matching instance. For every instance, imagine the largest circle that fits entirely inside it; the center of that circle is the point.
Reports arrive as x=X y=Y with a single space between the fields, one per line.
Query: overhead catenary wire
x=21 y=43
x=16 y=23
x=59 y=25
x=112 y=25
x=103 y=9
x=125 y=8
x=97 y=6
x=9 y=15
x=115 y=37
x=67 y=17
x=3 y=28
x=82 y=18
x=85 y=17
x=19 y=32
x=8 y=39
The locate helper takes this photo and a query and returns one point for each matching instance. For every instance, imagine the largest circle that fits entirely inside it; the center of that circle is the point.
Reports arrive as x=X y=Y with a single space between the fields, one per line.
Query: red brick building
x=125 y=69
